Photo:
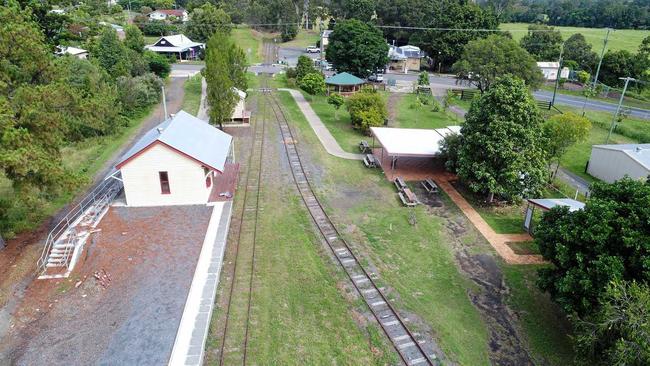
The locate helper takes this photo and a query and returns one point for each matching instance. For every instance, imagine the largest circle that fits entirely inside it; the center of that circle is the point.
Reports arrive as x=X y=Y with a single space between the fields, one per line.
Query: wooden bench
x=399 y=183
x=408 y=198
x=430 y=186
x=370 y=161
x=364 y=147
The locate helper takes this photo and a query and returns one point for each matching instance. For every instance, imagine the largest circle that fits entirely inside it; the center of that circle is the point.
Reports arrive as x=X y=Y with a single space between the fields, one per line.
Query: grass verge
x=410 y=114
x=303 y=39
x=250 y=41
x=192 y=98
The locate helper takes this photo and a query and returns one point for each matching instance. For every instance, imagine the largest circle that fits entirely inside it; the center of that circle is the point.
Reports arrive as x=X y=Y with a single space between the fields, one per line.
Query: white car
x=312 y=49
x=378 y=77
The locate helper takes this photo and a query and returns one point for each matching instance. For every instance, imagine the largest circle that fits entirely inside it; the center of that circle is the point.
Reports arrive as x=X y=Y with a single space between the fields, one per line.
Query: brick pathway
x=498 y=241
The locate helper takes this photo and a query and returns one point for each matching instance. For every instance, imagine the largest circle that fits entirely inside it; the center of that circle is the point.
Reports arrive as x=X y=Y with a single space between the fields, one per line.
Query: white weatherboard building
x=612 y=162
x=174 y=163
x=549 y=69
x=178 y=45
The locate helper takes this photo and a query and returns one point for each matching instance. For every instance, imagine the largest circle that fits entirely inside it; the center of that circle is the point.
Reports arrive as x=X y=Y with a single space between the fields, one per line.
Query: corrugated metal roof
x=189 y=135
x=344 y=78
x=549 y=203
x=638 y=152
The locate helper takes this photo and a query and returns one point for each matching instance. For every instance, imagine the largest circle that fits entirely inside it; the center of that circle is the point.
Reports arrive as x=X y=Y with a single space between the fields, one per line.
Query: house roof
x=549 y=203
x=344 y=78
x=413 y=142
x=189 y=136
x=70 y=50
x=174 y=12
x=548 y=65
x=638 y=152
x=404 y=52
x=178 y=42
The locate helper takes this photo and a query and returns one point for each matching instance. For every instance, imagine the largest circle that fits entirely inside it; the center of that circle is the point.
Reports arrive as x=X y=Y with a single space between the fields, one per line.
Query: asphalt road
x=451 y=82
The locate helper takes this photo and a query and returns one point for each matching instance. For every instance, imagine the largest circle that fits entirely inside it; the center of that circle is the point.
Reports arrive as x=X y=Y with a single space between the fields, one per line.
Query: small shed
x=240 y=114
x=344 y=83
x=546 y=204
x=613 y=162
x=178 y=45
x=549 y=69
x=175 y=163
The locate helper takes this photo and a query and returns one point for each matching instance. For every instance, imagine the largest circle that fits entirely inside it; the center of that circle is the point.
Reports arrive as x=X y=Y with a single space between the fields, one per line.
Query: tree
x=313 y=83
x=357 y=48
x=423 y=78
x=367 y=109
x=205 y=21
x=336 y=100
x=289 y=32
x=304 y=66
x=484 y=60
x=609 y=239
x=616 y=64
x=617 y=332
x=563 y=131
x=225 y=70
x=134 y=38
x=354 y=9
x=158 y=64
x=577 y=49
x=502 y=144
x=445 y=46
x=543 y=42
x=111 y=54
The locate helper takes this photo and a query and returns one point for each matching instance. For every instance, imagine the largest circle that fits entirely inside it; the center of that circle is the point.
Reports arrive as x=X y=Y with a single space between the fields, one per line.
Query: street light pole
x=602 y=53
x=618 y=108
x=559 y=73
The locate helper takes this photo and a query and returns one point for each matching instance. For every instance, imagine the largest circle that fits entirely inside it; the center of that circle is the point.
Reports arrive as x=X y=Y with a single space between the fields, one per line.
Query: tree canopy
x=354 y=9
x=367 y=109
x=563 y=131
x=577 y=49
x=543 y=42
x=502 y=149
x=357 y=47
x=607 y=240
x=205 y=21
x=484 y=60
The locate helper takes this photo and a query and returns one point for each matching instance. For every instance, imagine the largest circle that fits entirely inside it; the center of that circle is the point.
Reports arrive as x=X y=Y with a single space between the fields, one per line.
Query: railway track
x=412 y=349
x=234 y=344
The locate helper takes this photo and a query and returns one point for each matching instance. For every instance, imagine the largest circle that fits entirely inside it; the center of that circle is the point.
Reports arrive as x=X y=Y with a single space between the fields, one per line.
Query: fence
x=468 y=94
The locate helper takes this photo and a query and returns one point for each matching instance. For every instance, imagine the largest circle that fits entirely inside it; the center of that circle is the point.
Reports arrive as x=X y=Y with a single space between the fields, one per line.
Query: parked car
x=312 y=49
x=378 y=77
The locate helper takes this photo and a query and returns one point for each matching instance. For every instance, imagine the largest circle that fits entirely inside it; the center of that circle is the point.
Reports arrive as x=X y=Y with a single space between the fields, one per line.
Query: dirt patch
x=124 y=302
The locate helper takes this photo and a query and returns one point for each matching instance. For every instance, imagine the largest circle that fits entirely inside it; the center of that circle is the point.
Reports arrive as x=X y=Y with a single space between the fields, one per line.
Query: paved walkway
x=192 y=332
x=498 y=241
x=329 y=143
x=203 y=105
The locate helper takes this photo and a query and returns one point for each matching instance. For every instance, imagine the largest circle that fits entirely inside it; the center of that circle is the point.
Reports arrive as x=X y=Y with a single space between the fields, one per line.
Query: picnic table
x=370 y=161
x=364 y=147
x=430 y=186
x=400 y=184
x=408 y=198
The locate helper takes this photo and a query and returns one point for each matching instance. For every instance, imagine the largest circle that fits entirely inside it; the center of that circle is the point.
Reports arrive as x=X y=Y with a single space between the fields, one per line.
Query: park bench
x=364 y=147
x=399 y=183
x=408 y=198
x=370 y=161
x=430 y=186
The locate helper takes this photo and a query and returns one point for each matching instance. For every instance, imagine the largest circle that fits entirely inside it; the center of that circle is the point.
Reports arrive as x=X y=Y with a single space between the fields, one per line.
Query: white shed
x=612 y=162
x=174 y=163
x=240 y=114
x=549 y=69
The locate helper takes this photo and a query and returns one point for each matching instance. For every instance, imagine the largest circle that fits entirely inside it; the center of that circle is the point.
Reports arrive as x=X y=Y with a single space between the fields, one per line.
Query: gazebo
x=344 y=83
x=546 y=204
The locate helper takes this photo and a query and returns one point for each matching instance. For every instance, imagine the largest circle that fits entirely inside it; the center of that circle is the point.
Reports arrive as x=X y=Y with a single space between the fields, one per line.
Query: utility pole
x=164 y=103
x=618 y=108
x=559 y=72
x=602 y=53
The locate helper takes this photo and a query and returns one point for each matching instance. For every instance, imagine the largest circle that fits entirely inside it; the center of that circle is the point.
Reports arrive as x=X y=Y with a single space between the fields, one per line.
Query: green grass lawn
x=341 y=127
x=192 y=99
x=250 y=41
x=379 y=226
x=624 y=39
x=411 y=115
x=303 y=39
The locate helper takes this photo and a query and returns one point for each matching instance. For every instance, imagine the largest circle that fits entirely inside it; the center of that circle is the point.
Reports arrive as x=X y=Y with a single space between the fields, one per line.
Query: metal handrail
x=104 y=190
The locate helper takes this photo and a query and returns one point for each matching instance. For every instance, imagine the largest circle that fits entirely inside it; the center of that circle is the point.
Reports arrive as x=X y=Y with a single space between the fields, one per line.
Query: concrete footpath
x=329 y=143
x=192 y=332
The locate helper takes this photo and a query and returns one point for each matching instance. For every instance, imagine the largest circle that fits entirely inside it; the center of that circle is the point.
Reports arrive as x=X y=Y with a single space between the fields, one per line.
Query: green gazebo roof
x=344 y=79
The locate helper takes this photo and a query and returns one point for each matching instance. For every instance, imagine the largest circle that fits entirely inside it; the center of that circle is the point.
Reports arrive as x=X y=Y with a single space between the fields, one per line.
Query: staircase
x=64 y=243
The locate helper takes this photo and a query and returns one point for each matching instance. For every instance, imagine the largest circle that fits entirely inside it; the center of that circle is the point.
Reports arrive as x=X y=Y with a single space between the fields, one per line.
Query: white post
x=164 y=102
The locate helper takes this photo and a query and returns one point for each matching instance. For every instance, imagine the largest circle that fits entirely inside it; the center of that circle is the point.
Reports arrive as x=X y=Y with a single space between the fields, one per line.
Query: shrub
x=289 y=32
x=361 y=103
x=157 y=28
x=449 y=151
x=583 y=76
x=140 y=91
x=313 y=83
x=158 y=64
x=291 y=73
x=423 y=79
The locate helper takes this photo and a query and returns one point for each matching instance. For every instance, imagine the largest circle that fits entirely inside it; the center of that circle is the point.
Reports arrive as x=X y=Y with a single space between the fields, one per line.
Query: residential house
x=165 y=14
x=175 y=163
x=178 y=45
x=612 y=162
x=405 y=58
x=549 y=69
x=73 y=51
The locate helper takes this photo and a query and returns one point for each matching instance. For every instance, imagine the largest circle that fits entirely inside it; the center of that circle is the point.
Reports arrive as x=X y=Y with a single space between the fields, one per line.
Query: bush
x=361 y=103
x=423 y=78
x=291 y=73
x=139 y=66
x=140 y=91
x=289 y=32
x=158 y=28
x=313 y=84
x=583 y=76
x=158 y=64
x=449 y=151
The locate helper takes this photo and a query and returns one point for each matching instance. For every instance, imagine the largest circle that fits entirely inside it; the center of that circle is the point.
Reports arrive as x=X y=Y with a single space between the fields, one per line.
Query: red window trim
x=163 y=177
